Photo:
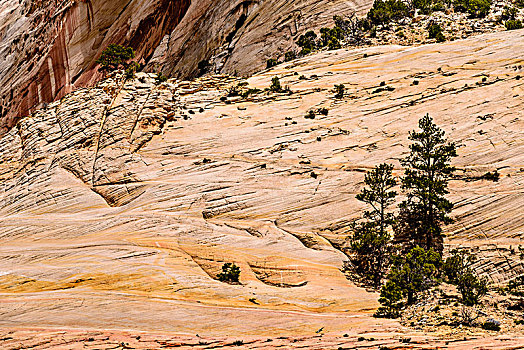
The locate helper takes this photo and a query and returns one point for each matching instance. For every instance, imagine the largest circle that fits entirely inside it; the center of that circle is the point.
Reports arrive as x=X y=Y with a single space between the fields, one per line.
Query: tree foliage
x=425 y=182
x=458 y=271
x=370 y=244
x=230 y=273
x=385 y=11
x=411 y=274
x=115 y=56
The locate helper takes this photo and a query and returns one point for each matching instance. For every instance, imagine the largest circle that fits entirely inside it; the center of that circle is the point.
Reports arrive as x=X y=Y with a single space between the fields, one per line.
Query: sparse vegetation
x=370 y=244
x=385 y=11
x=475 y=8
x=425 y=183
x=115 y=57
x=513 y=24
x=339 y=91
x=230 y=273
x=435 y=32
x=271 y=63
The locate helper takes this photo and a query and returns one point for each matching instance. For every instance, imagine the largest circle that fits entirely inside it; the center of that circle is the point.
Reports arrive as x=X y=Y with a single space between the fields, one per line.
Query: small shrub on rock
x=339 y=91
x=271 y=63
x=491 y=325
x=475 y=8
x=114 y=57
x=131 y=70
x=435 y=32
x=230 y=273
x=491 y=176
x=513 y=24
x=310 y=114
x=386 y=11
x=307 y=42
x=275 y=85
x=290 y=56
x=323 y=111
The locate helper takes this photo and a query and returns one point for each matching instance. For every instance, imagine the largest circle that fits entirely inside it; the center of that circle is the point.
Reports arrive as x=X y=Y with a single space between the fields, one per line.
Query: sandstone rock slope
x=120 y=203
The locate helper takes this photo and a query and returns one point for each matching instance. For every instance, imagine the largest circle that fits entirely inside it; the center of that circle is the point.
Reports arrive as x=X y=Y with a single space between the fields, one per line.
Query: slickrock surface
x=49 y=48
x=120 y=203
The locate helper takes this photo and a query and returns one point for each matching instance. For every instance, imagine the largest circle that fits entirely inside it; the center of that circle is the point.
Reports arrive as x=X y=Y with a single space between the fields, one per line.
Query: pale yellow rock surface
x=117 y=212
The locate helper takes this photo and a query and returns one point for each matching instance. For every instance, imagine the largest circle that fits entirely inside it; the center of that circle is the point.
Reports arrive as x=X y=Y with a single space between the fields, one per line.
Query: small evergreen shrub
x=230 y=273
x=290 y=56
x=114 y=57
x=458 y=271
x=307 y=42
x=513 y=24
x=275 y=85
x=310 y=114
x=491 y=176
x=271 y=63
x=491 y=325
x=385 y=11
x=131 y=70
x=411 y=274
x=475 y=8
x=435 y=32
x=323 y=111
x=339 y=91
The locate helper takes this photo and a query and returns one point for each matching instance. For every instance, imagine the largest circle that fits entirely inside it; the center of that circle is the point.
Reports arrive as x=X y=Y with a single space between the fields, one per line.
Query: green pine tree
x=370 y=244
x=115 y=56
x=425 y=181
x=410 y=274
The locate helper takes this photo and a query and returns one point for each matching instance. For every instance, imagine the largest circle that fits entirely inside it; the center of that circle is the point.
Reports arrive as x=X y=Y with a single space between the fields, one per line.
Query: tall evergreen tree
x=371 y=242
x=425 y=181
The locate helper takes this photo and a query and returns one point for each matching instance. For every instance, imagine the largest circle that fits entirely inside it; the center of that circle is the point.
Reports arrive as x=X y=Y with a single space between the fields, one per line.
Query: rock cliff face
x=239 y=35
x=120 y=203
x=49 y=48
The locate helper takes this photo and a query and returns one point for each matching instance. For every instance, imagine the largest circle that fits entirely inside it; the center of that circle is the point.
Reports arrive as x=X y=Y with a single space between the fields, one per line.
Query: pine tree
x=459 y=271
x=425 y=180
x=370 y=244
x=410 y=274
x=115 y=56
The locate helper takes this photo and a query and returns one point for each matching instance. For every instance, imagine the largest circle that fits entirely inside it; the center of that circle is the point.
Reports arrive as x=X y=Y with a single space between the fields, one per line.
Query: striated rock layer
x=120 y=203
x=49 y=48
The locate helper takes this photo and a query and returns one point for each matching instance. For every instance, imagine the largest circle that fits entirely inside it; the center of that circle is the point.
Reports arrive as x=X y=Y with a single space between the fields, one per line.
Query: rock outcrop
x=120 y=203
x=49 y=48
